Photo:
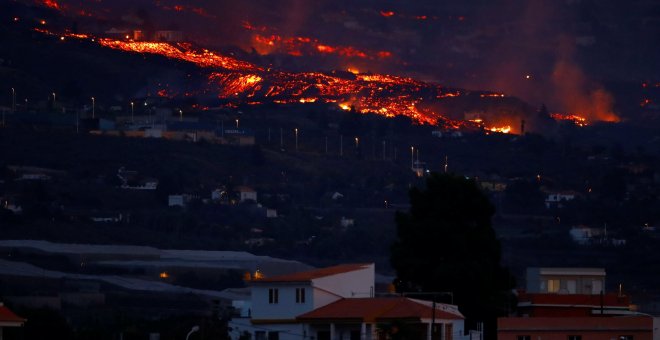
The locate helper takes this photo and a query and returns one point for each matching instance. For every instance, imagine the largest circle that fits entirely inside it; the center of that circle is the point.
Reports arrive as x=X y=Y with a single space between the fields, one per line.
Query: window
x=524 y=337
x=260 y=335
x=626 y=337
x=273 y=336
x=273 y=295
x=553 y=286
x=575 y=337
x=300 y=295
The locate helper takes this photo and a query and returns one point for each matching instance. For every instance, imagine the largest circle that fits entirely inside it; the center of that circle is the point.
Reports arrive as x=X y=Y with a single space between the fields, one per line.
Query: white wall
x=358 y=284
x=286 y=307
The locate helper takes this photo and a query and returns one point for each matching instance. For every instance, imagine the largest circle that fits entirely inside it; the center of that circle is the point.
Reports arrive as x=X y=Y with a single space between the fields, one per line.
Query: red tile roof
x=609 y=300
x=7 y=316
x=372 y=309
x=316 y=273
x=641 y=323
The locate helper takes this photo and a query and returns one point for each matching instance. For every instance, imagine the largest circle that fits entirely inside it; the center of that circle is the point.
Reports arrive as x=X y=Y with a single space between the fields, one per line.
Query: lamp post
x=192 y=330
x=412 y=157
x=357 y=142
x=180 y=115
x=13 y=100
x=237 y=123
x=93 y=107
x=296 y=131
x=132 y=111
x=54 y=98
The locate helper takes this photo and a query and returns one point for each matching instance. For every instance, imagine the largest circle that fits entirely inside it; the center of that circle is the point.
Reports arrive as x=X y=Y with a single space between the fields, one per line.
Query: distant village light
x=164 y=275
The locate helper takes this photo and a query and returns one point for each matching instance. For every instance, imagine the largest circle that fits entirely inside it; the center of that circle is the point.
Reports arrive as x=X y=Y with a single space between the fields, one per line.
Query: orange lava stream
x=181 y=51
x=237 y=82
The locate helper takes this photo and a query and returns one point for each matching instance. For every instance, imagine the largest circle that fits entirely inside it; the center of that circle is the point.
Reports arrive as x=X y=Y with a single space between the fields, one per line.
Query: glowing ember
x=51 y=4
x=492 y=95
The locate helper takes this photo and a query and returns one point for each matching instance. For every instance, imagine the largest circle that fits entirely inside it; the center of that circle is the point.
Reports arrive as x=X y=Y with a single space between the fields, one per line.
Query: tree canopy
x=446 y=243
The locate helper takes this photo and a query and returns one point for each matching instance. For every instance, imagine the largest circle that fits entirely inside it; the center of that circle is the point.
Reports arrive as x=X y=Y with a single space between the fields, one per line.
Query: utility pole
x=412 y=157
x=296 y=131
x=13 y=100
x=435 y=296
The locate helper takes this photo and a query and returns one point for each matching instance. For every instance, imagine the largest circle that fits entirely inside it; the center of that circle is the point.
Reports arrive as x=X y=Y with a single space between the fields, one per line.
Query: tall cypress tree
x=446 y=243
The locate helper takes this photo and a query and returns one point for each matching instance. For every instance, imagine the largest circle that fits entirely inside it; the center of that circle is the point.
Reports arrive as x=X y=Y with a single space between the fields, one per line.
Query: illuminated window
x=626 y=337
x=300 y=295
x=273 y=295
x=553 y=286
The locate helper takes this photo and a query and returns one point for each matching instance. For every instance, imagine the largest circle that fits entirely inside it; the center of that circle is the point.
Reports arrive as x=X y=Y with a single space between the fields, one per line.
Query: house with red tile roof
x=9 y=319
x=338 y=303
x=378 y=317
x=578 y=328
x=570 y=304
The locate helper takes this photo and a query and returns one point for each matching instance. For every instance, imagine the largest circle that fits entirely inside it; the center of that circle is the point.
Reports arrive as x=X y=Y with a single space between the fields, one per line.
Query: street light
x=296 y=130
x=412 y=157
x=13 y=100
x=54 y=97
x=180 y=115
x=93 y=107
x=357 y=142
x=192 y=330
x=132 y=111
x=237 y=123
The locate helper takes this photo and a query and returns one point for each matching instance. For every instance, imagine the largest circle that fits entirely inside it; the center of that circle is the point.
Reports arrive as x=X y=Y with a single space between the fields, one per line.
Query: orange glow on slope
x=387 y=14
x=575 y=119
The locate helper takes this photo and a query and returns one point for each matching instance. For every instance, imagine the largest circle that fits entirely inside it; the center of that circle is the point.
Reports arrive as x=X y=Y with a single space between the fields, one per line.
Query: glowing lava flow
x=181 y=51
x=265 y=41
x=573 y=118
x=241 y=82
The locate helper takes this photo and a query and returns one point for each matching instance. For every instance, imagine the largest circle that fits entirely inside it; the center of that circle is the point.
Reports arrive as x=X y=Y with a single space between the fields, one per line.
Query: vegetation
x=446 y=243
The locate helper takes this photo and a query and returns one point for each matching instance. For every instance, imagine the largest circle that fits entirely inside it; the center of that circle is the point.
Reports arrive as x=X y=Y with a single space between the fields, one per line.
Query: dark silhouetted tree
x=446 y=244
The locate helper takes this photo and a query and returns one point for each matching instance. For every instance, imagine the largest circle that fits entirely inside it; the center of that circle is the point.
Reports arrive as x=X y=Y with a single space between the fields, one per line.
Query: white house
x=565 y=280
x=556 y=199
x=334 y=303
x=246 y=194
